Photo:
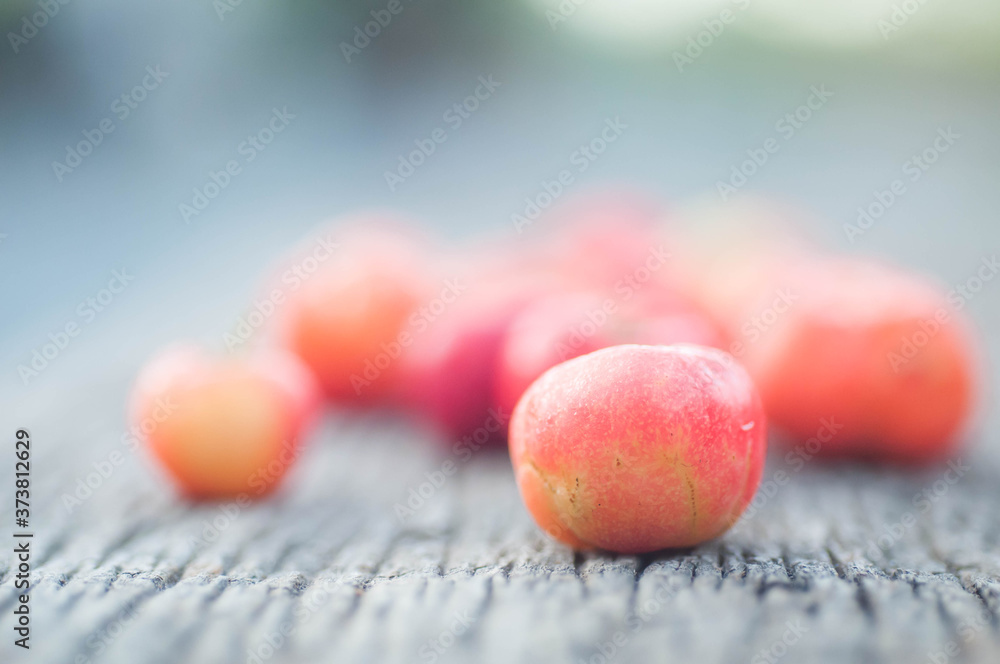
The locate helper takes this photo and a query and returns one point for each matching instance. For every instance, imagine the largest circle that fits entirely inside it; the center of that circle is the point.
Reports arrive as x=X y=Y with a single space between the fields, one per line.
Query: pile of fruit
x=631 y=362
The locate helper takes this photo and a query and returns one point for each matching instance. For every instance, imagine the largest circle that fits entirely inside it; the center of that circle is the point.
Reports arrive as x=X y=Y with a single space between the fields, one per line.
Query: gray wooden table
x=826 y=567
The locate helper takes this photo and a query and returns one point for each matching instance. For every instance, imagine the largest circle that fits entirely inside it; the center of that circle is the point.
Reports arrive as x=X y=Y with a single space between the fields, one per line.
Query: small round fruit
x=639 y=448
x=221 y=428
x=872 y=352
x=446 y=375
x=340 y=319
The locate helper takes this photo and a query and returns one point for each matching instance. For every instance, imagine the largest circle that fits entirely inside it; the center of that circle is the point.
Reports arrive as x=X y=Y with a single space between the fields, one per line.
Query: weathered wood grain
x=326 y=572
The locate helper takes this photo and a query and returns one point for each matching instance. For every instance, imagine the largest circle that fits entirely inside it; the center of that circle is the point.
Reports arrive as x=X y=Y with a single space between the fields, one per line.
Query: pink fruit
x=639 y=448
x=600 y=238
x=447 y=373
x=659 y=315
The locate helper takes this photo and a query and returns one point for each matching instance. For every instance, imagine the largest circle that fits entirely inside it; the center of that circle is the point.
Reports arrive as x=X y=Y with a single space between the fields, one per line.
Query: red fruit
x=639 y=448
x=874 y=354
x=222 y=428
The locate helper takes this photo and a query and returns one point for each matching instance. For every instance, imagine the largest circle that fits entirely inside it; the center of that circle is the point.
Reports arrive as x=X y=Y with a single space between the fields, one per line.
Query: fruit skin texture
x=639 y=448
x=222 y=428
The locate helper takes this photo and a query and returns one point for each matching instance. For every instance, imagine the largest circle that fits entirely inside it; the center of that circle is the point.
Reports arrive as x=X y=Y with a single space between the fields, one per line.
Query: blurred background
x=175 y=149
x=175 y=91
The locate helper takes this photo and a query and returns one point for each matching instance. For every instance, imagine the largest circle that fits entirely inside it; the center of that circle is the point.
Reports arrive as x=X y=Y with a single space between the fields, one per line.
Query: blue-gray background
x=119 y=208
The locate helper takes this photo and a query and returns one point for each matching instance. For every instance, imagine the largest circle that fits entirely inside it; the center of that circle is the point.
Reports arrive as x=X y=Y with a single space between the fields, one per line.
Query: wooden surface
x=133 y=575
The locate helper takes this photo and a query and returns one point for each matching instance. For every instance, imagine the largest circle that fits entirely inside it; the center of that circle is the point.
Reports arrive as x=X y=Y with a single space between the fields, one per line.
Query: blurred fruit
x=560 y=327
x=544 y=334
x=727 y=251
x=345 y=321
x=659 y=315
x=869 y=347
x=447 y=374
x=222 y=428
x=601 y=239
